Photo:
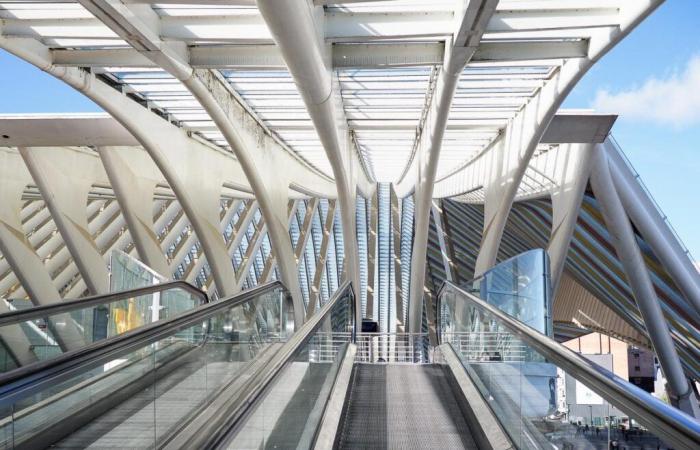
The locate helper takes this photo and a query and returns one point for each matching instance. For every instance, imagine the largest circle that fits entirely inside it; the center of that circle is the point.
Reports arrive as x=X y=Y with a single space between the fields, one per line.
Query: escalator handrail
x=43 y=311
x=24 y=381
x=210 y=434
x=673 y=425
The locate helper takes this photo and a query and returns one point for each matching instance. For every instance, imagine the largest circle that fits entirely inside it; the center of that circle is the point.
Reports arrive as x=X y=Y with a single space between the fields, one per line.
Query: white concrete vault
x=244 y=141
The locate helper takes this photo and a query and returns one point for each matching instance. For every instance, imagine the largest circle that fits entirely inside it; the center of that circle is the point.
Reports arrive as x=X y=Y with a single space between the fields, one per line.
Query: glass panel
x=129 y=273
x=52 y=335
x=291 y=410
x=530 y=396
x=138 y=398
x=520 y=286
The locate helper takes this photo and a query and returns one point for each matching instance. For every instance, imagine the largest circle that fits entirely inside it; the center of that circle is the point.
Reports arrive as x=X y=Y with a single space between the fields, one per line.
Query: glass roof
x=385 y=106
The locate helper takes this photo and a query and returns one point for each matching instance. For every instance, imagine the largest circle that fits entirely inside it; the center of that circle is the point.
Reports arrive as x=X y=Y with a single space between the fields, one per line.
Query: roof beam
x=340 y=26
x=263 y=56
x=526 y=51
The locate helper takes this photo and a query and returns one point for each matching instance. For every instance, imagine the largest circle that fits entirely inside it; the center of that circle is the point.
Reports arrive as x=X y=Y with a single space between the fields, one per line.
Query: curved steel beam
x=293 y=27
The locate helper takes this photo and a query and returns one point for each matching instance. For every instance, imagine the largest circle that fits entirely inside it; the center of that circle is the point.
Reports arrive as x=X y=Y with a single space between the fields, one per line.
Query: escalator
x=499 y=396
x=136 y=389
x=233 y=374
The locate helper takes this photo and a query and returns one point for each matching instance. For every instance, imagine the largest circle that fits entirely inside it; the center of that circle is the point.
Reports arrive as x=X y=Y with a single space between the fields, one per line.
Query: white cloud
x=674 y=100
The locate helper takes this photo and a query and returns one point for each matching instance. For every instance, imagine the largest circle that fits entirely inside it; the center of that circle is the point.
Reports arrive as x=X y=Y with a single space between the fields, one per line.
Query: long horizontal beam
x=340 y=26
x=344 y=55
x=261 y=56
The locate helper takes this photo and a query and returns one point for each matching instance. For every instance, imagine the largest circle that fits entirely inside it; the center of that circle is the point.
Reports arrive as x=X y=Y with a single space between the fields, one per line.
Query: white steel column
x=574 y=169
x=179 y=157
x=446 y=263
x=315 y=290
x=25 y=263
x=371 y=208
x=637 y=273
x=133 y=177
x=64 y=179
x=458 y=52
x=522 y=134
x=654 y=229
x=396 y=257
x=292 y=24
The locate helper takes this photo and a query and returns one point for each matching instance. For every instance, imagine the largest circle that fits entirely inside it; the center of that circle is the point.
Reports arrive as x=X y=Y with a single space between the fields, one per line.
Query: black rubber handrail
x=39 y=312
x=667 y=422
x=26 y=380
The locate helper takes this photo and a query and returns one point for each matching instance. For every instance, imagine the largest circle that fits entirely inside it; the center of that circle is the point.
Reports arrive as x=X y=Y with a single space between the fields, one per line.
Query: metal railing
x=202 y=433
x=380 y=348
x=488 y=346
x=324 y=347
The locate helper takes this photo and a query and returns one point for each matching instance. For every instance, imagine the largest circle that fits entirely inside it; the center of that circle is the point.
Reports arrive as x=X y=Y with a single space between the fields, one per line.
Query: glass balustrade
x=520 y=286
x=291 y=410
x=531 y=395
x=136 y=395
x=45 y=333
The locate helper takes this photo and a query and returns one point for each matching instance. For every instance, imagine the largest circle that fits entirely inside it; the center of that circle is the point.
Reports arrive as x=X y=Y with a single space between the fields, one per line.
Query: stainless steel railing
x=488 y=346
x=379 y=348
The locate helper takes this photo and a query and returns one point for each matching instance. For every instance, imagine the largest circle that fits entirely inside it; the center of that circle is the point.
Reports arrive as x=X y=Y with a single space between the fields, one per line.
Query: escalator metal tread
x=402 y=407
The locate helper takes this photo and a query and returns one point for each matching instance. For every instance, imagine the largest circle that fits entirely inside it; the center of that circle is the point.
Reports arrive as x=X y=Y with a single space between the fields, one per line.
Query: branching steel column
x=522 y=134
x=292 y=25
x=24 y=261
x=163 y=141
x=625 y=243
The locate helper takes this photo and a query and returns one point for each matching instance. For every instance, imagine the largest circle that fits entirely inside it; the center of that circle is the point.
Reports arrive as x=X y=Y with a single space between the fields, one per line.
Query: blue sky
x=659 y=60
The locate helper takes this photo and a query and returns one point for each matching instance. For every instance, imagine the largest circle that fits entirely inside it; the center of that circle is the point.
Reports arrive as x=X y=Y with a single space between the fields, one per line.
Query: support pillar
x=372 y=205
x=64 y=181
x=396 y=258
x=567 y=195
x=134 y=192
x=25 y=263
x=624 y=241
x=654 y=229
